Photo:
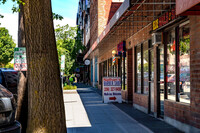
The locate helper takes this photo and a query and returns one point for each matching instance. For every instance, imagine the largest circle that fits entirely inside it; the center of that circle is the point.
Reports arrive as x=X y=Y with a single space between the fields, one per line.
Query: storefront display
x=184 y=53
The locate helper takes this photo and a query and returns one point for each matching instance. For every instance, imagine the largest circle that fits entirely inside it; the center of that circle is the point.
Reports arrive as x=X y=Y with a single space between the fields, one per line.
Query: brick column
x=130 y=74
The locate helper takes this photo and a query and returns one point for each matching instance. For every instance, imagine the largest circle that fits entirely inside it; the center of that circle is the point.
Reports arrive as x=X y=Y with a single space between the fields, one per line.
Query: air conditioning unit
x=156 y=38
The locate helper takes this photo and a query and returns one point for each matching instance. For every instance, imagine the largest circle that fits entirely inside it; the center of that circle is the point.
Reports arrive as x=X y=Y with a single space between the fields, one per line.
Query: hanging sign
x=112 y=89
x=121 y=48
x=20 y=63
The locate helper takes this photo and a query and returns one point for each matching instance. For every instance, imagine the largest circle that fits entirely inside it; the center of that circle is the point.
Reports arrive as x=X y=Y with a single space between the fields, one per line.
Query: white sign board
x=20 y=63
x=62 y=62
x=112 y=89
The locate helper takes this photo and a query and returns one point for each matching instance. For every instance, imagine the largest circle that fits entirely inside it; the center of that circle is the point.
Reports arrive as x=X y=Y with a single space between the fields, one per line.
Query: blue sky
x=66 y=8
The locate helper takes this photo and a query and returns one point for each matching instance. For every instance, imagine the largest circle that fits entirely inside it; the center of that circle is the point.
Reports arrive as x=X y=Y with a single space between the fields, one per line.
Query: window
x=142 y=68
x=105 y=69
x=124 y=73
x=138 y=69
x=178 y=63
x=146 y=68
x=184 y=57
x=171 y=60
x=115 y=69
x=110 y=67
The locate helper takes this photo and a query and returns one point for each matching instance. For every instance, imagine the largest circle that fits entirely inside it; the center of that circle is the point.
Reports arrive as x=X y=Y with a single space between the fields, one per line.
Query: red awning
x=187 y=7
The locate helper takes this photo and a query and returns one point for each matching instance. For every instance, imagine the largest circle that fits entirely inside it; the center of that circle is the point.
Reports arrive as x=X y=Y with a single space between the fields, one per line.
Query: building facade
x=154 y=47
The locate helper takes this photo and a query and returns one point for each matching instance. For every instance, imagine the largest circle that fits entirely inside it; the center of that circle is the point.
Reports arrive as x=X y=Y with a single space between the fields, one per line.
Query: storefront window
x=138 y=69
x=171 y=65
x=110 y=67
x=124 y=73
x=105 y=69
x=115 y=70
x=184 y=53
x=119 y=67
x=145 y=68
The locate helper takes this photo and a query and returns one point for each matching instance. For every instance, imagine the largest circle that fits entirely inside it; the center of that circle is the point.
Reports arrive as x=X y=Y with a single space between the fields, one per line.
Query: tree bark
x=45 y=104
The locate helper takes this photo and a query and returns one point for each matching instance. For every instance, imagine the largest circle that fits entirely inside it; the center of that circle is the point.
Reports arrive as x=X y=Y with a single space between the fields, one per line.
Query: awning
x=187 y=7
x=132 y=16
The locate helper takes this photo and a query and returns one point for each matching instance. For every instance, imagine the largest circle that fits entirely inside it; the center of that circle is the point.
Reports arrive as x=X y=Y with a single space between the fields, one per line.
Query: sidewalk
x=85 y=113
x=95 y=116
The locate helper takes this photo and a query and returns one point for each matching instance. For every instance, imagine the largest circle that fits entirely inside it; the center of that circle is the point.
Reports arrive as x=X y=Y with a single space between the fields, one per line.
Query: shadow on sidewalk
x=154 y=124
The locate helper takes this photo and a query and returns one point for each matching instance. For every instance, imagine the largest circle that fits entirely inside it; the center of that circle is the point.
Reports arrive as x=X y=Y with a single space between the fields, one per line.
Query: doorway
x=151 y=81
x=160 y=80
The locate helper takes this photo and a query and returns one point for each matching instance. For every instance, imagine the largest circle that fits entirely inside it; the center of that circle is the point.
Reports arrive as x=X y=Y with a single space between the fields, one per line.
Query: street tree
x=67 y=44
x=45 y=100
x=7 y=46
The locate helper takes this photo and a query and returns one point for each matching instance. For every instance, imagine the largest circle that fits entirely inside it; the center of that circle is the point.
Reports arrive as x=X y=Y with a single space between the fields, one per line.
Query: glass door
x=160 y=80
x=151 y=81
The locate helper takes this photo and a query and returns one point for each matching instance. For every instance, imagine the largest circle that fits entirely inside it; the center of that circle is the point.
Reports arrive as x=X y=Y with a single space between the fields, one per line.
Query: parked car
x=8 y=124
x=9 y=79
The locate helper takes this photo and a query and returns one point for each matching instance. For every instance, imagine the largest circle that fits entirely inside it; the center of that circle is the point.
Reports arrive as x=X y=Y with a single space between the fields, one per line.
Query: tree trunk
x=21 y=34
x=45 y=104
x=22 y=102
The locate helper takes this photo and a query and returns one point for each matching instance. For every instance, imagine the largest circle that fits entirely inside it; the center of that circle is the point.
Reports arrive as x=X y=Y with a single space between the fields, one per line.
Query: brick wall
x=124 y=95
x=101 y=11
x=93 y=21
x=104 y=7
x=140 y=99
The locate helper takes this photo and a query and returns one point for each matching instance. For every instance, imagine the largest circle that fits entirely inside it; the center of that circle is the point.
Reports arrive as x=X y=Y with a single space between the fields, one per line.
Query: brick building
x=153 y=45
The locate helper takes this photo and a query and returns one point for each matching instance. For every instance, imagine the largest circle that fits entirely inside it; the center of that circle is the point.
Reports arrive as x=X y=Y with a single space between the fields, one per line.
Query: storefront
x=115 y=64
x=164 y=78
x=159 y=65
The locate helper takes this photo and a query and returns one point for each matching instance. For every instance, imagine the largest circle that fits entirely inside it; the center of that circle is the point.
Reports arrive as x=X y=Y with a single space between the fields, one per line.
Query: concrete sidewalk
x=85 y=113
x=154 y=124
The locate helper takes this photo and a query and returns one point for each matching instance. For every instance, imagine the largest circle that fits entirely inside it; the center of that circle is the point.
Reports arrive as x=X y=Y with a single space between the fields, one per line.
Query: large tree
x=7 y=46
x=45 y=103
x=68 y=45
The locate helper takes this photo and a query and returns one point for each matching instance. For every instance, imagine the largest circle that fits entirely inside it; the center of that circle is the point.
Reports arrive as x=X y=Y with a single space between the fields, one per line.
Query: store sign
x=20 y=63
x=112 y=89
x=164 y=19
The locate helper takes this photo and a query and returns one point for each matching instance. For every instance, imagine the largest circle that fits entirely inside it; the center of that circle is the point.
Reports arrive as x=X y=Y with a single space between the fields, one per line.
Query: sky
x=66 y=8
